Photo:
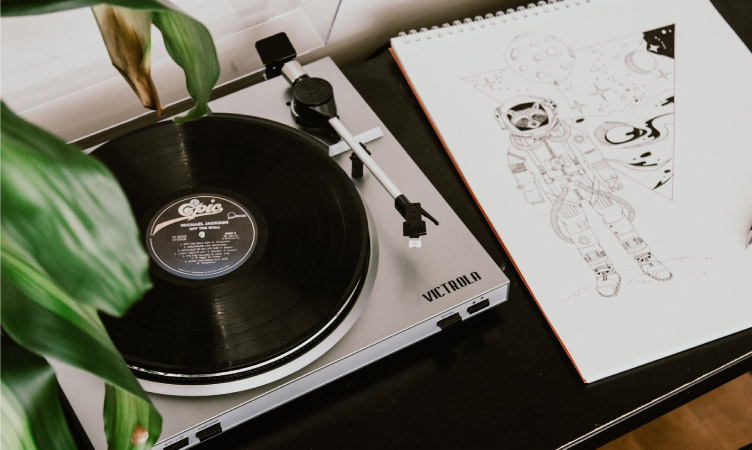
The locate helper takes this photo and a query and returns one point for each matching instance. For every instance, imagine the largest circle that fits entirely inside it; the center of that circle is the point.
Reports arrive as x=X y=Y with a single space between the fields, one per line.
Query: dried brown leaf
x=127 y=35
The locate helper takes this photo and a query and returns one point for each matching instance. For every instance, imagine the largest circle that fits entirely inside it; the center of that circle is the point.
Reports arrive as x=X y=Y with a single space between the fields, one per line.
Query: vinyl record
x=258 y=243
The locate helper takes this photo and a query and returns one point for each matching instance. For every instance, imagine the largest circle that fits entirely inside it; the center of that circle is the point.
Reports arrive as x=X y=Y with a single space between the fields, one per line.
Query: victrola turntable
x=279 y=264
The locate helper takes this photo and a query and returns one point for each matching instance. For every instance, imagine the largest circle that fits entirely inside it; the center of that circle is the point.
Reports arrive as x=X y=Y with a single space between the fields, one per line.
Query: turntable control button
x=449 y=321
x=211 y=431
x=178 y=445
x=485 y=303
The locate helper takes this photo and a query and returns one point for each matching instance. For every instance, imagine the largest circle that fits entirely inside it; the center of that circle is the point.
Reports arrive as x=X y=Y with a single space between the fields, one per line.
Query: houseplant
x=70 y=245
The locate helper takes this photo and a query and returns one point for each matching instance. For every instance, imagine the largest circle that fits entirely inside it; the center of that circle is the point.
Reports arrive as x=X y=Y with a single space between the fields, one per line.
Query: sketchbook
x=608 y=143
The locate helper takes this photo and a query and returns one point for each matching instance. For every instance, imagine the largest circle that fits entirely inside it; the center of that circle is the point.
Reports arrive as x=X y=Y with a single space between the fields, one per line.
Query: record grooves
x=259 y=245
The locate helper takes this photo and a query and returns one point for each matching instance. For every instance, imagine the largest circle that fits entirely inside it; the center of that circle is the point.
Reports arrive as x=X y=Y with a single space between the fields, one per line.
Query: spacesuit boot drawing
x=639 y=250
x=652 y=267
x=607 y=280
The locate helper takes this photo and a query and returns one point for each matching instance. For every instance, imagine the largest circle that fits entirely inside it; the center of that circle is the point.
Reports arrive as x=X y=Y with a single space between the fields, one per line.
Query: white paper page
x=542 y=114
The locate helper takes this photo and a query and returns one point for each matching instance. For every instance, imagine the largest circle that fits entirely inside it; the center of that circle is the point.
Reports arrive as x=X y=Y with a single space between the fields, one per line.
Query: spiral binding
x=478 y=22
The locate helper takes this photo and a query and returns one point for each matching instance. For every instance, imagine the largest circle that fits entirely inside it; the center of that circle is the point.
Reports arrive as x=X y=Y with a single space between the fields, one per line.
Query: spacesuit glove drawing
x=614 y=184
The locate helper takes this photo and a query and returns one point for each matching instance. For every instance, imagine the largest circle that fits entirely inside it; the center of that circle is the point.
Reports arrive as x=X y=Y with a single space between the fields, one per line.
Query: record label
x=201 y=236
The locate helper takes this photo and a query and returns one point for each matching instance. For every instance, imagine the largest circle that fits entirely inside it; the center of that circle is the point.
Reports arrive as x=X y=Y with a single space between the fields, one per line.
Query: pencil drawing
x=620 y=92
x=556 y=162
x=578 y=119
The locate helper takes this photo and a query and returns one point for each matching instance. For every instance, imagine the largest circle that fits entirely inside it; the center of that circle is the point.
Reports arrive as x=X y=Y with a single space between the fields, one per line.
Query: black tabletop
x=501 y=380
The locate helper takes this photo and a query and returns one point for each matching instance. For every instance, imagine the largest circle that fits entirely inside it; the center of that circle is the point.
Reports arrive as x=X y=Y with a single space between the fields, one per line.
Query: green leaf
x=119 y=407
x=190 y=45
x=32 y=417
x=68 y=213
x=188 y=42
x=43 y=319
x=69 y=246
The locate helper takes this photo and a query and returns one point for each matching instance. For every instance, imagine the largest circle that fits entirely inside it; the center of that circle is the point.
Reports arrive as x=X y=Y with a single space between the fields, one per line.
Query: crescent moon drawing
x=640 y=62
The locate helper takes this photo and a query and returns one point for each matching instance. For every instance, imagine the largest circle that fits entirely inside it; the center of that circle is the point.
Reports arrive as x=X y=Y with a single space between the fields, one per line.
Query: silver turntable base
x=414 y=292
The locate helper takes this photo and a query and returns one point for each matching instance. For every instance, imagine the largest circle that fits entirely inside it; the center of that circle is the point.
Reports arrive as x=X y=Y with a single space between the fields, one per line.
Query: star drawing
x=599 y=92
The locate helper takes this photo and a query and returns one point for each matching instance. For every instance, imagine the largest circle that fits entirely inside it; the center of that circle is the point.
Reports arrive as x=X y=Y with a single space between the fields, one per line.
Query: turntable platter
x=259 y=244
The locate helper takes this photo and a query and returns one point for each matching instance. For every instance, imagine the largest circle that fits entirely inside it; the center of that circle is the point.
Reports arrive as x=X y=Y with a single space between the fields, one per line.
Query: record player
x=278 y=272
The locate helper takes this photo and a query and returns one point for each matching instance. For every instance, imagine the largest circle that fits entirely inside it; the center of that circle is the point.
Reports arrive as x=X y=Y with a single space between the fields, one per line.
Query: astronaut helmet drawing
x=529 y=119
x=556 y=162
x=527 y=116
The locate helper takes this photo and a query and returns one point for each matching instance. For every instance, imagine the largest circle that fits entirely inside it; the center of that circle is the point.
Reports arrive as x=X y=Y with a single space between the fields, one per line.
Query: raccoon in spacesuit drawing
x=551 y=160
